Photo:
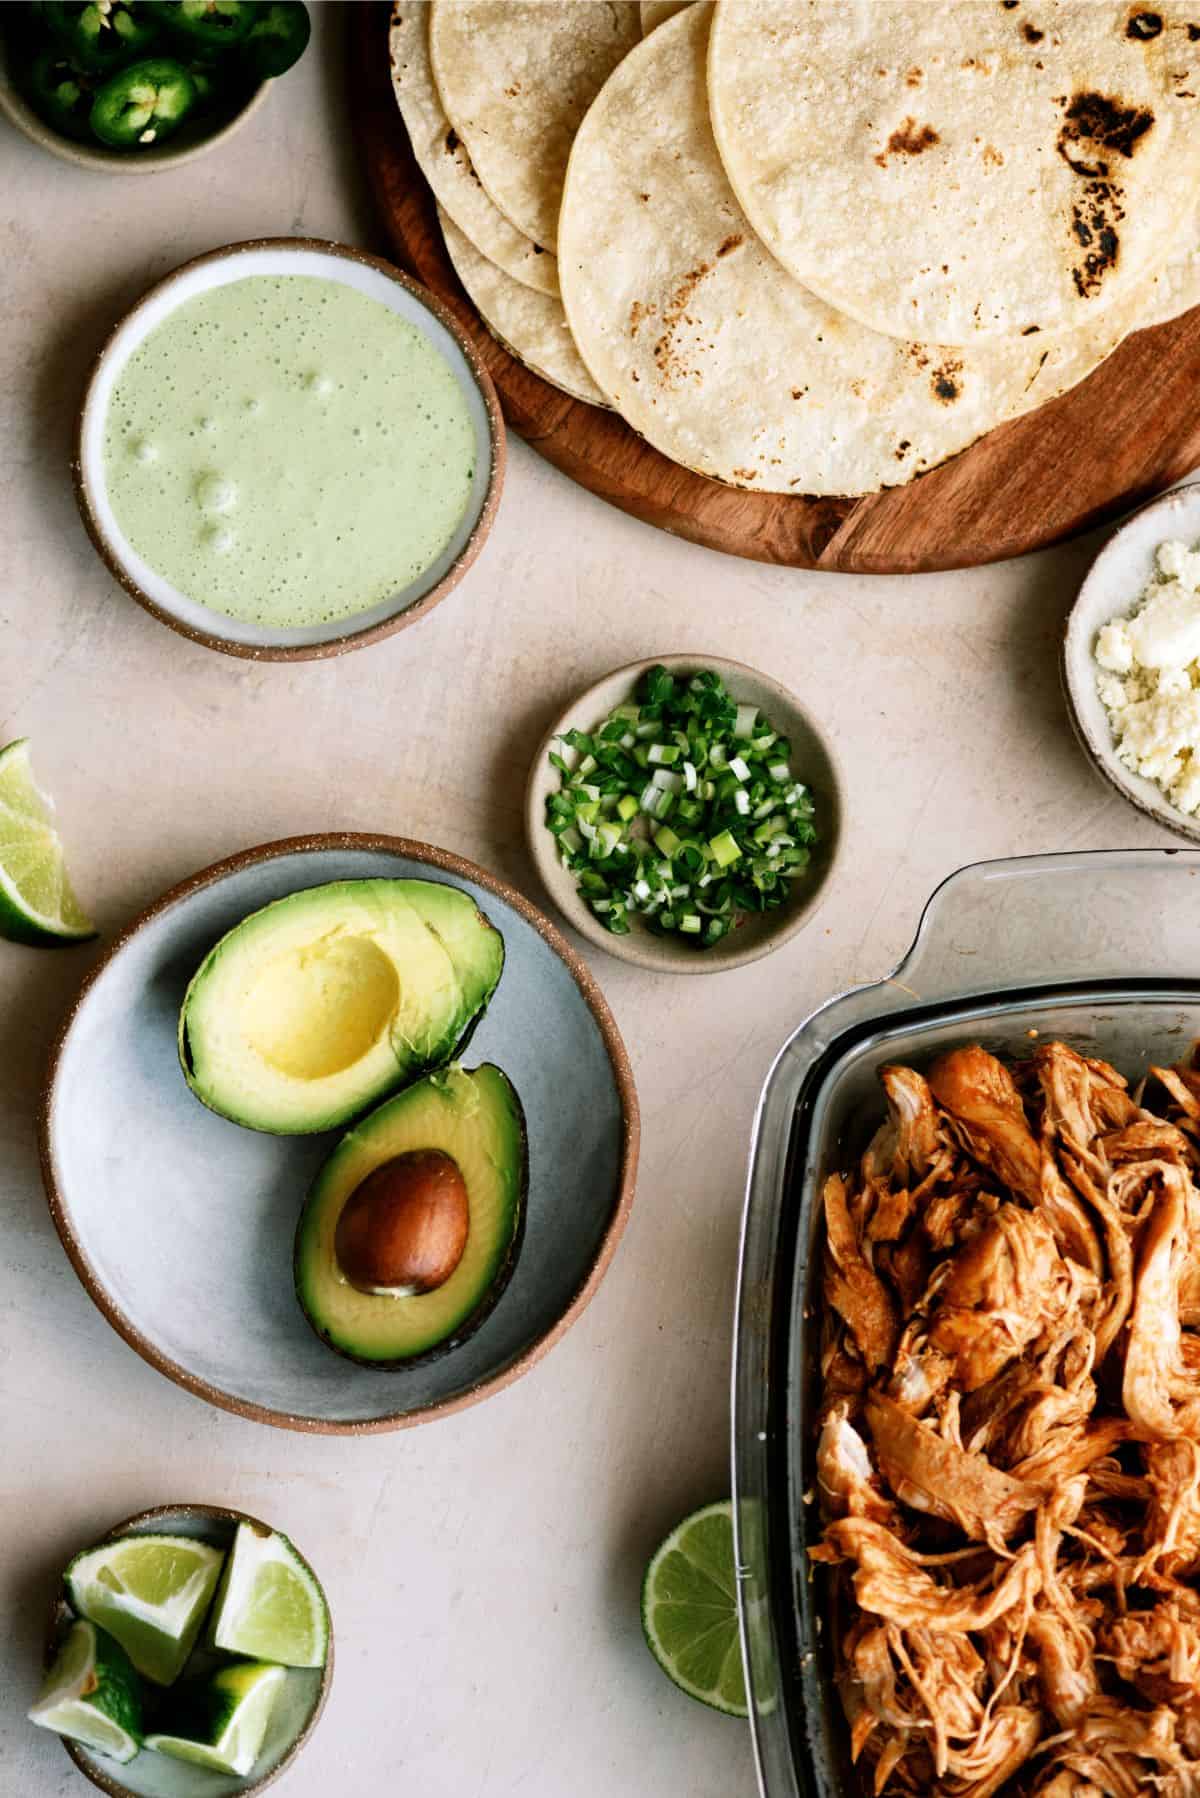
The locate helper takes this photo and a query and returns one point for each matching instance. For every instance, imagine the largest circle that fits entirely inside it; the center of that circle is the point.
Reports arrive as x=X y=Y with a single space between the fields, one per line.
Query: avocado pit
x=404 y=1228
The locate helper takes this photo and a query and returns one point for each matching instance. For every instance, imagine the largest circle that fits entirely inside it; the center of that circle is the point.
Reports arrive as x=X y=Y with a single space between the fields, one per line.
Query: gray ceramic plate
x=180 y=1224
x=296 y=1711
x=1113 y=584
x=813 y=762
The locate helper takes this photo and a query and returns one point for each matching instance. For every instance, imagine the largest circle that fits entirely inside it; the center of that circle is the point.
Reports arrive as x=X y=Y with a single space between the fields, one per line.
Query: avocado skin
x=447 y=916
x=460 y=1316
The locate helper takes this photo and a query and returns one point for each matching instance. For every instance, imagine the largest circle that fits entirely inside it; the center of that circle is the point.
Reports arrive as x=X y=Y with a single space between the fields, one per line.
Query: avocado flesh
x=474 y=1117
x=313 y=1009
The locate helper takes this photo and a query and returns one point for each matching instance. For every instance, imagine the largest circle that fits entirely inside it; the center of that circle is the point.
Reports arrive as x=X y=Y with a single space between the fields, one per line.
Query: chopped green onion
x=742 y=822
x=725 y=848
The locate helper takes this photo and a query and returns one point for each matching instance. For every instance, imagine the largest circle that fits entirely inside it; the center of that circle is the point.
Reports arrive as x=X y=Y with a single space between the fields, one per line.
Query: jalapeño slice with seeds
x=206 y=26
x=143 y=104
x=58 y=93
x=97 y=35
x=278 y=38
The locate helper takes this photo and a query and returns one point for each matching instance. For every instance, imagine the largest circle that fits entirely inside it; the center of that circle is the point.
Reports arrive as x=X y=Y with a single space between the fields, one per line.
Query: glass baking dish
x=1101 y=949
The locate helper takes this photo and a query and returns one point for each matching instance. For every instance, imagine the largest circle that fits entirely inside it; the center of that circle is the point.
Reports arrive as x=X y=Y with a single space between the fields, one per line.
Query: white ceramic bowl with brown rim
x=296 y=1712
x=1113 y=585
x=378 y=280
x=757 y=934
x=181 y=1225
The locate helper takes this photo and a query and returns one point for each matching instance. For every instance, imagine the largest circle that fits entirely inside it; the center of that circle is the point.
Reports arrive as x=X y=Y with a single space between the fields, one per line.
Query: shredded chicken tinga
x=1009 y=1455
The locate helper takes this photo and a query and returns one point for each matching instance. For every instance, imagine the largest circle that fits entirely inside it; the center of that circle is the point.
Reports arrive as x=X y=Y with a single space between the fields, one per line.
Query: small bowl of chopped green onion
x=684 y=814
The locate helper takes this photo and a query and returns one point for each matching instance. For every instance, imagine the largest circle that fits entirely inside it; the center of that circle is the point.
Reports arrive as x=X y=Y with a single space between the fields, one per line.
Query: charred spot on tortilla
x=914 y=78
x=909 y=139
x=672 y=366
x=1193 y=32
x=637 y=312
x=1095 y=123
x=730 y=244
x=1030 y=330
x=1144 y=26
x=1031 y=34
x=1094 y=220
x=945 y=384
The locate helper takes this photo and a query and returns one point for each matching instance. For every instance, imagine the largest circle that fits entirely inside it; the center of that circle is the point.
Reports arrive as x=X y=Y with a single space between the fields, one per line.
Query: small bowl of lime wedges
x=189 y=1655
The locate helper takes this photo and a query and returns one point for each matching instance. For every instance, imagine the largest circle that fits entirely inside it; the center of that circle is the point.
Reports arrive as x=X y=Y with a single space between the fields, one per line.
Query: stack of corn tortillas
x=811 y=246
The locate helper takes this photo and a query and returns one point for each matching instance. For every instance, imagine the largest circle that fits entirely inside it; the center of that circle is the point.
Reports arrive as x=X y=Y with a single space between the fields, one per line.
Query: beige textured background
x=483 y=1571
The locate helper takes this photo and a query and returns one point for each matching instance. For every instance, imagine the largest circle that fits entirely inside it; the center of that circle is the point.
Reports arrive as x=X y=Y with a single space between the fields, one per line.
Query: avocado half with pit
x=312 y=1010
x=411 y=1229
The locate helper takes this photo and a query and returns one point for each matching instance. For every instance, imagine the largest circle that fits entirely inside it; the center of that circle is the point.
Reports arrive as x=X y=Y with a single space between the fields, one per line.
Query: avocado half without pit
x=312 y=1010
x=411 y=1229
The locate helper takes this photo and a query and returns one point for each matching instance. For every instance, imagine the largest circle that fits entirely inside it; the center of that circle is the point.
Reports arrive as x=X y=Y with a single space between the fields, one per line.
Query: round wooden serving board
x=1128 y=431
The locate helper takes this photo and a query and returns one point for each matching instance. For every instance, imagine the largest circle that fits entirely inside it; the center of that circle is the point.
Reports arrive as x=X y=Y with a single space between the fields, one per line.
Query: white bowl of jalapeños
x=127 y=88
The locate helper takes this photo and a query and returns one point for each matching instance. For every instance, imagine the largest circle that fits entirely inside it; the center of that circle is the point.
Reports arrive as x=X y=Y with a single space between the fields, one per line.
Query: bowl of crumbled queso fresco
x=1131 y=661
x=288 y=449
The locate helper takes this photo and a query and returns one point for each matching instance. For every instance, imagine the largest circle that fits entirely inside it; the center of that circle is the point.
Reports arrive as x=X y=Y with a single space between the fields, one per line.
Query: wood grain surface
x=1125 y=433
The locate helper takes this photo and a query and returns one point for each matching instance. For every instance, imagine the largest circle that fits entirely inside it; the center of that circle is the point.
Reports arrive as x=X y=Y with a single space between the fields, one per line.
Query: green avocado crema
x=316 y=1007
x=287 y=450
x=474 y=1117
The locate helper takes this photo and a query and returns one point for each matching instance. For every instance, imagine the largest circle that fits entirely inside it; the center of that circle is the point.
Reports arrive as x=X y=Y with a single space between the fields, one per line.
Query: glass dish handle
x=1041 y=919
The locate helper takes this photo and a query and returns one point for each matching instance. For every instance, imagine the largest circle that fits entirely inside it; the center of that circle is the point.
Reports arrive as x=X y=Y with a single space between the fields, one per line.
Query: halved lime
x=37 y=902
x=220 y=1722
x=689 y=1610
x=152 y=1593
x=91 y=1694
x=270 y=1605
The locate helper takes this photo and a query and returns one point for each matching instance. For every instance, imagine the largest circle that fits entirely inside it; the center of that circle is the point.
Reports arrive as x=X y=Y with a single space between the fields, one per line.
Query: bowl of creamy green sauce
x=288 y=449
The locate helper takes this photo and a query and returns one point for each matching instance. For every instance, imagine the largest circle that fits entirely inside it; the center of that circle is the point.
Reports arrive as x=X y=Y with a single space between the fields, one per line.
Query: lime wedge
x=151 y=1593
x=689 y=1610
x=270 y=1605
x=91 y=1694
x=221 y=1722
x=37 y=904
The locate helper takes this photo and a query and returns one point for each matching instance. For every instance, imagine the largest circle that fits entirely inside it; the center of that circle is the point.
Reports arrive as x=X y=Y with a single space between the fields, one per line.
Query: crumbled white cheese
x=1176 y=562
x=1113 y=648
x=1149 y=679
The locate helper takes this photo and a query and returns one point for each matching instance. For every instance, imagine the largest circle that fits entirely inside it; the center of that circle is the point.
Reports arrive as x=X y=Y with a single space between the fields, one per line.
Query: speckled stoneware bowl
x=813 y=762
x=379 y=281
x=294 y=1717
x=181 y=1224
x=190 y=142
x=1113 y=584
